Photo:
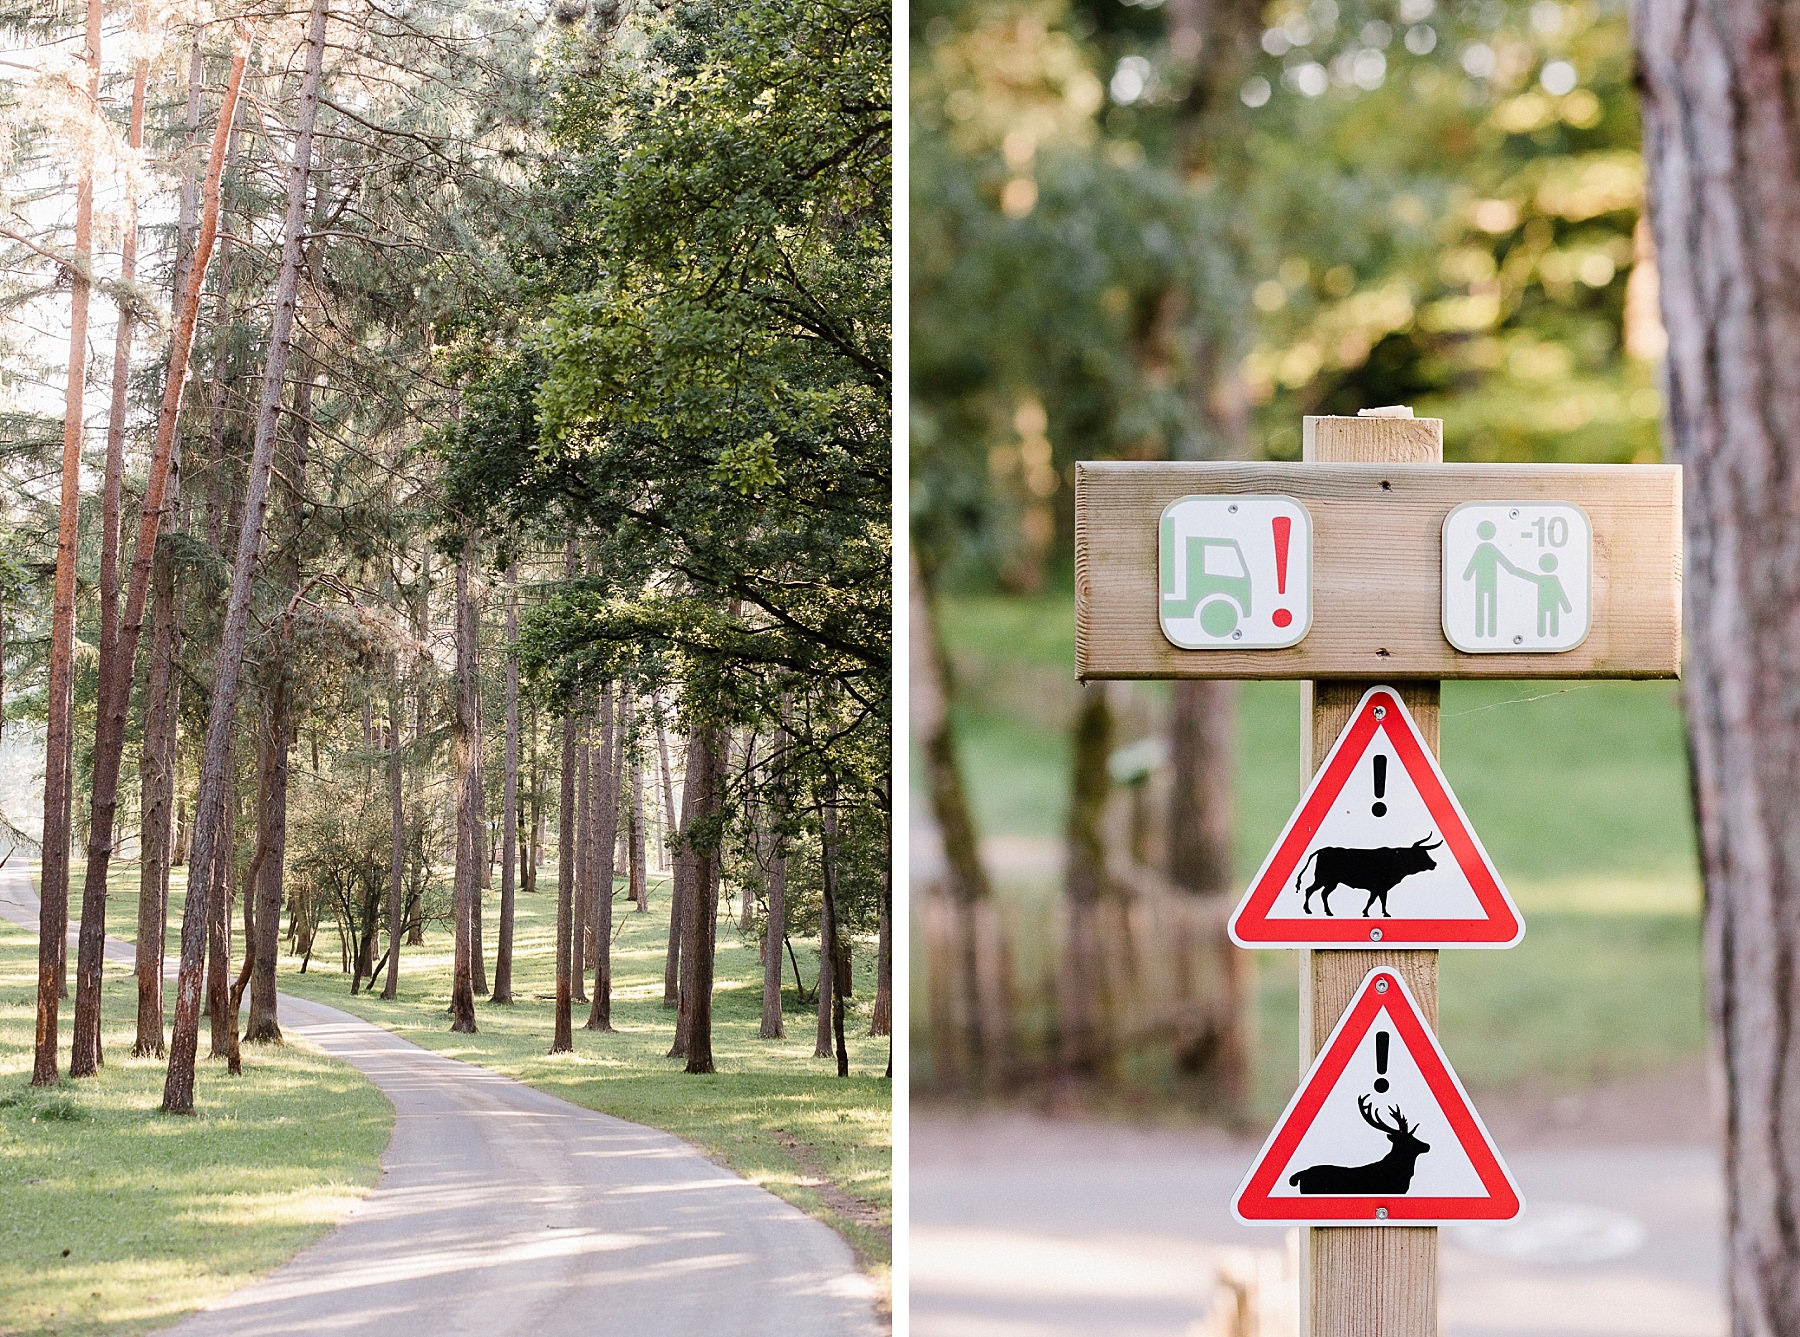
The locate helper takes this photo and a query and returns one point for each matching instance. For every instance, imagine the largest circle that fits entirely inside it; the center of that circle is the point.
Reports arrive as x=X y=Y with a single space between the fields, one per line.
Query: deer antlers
x=1366 y=1106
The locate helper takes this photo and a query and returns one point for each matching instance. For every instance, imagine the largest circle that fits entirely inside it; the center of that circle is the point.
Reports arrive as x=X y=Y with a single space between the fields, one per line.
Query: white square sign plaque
x=1518 y=577
x=1236 y=572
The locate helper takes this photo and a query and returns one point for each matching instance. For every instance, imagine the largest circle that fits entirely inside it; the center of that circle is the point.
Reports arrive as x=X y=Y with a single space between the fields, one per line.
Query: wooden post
x=1365 y=1281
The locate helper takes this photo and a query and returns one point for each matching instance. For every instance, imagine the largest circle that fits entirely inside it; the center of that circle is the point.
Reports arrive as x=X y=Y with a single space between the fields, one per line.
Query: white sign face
x=1236 y=572
x=1518 y=577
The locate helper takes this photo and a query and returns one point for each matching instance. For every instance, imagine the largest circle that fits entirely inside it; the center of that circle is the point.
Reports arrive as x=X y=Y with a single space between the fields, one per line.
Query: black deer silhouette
x=1376 y=871
x=1391 y=1174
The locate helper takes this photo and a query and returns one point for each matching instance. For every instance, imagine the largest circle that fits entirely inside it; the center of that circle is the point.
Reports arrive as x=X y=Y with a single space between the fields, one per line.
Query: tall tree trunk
x=218 y=926
x=828 y=975
x=881 y=1017
x=563 y=1041
x=634 y=806
x=680 y=887
x=263 y=892
x=610 y=757
x=85 y=1057
x=668 y=790
x=585 y=860
x=509 y=798
x=396 y=833
x=531 y=849
x=705 y=776
x=775 y=930
x=59 y=734
x=830 y=953
x=209 y=840
x=468 y=797
x=1722 y=144
x=157 y=765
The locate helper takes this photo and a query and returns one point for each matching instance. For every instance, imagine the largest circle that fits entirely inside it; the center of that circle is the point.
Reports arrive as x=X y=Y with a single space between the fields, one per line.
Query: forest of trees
x=443 y=446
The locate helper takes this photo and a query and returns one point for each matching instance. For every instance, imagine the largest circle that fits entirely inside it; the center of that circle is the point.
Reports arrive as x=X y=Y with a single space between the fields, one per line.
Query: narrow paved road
x=502 y=1210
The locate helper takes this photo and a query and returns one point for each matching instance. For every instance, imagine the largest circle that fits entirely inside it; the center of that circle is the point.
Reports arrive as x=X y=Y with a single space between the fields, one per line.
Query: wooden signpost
x=1397 y=569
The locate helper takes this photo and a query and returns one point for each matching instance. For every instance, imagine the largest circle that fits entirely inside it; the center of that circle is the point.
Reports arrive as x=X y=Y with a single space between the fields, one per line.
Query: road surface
x=503 y=1210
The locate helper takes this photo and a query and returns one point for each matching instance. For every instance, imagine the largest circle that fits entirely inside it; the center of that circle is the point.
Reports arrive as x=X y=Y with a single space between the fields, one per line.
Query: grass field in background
x=1578 y=790
x=116 y=1219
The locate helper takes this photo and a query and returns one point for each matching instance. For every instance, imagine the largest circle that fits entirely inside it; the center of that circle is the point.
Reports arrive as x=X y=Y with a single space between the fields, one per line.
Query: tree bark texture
x=634 y=807
x=210 y=842
x=1722 y=144
x=584 y=861
x=1082 y=1009
x=59 y=733
x=700 y=836
x=667 y=825
x=829 y=952
x=396 y=909
x=605 y=828
x=680 y=887
x=775 y=927
x=881 y=1016
x=509 y=801
x=468 y=796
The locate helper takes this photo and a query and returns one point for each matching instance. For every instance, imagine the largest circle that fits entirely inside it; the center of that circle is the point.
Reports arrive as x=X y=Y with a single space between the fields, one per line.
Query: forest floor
x=117 y=1220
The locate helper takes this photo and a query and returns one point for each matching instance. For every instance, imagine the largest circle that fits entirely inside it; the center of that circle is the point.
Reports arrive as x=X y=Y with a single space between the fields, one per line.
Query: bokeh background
x=1170 y=230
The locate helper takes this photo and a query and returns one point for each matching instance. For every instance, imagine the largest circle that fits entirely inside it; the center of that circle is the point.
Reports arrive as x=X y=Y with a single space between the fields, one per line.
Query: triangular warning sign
x=1378 y=851
x=1380 y=1131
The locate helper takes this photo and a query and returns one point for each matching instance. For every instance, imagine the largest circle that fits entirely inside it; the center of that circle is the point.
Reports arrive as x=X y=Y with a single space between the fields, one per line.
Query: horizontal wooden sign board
x=1375 y=570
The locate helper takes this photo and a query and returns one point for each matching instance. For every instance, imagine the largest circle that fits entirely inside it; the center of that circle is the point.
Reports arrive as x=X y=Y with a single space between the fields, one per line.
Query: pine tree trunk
x=157 y=764
x=468 y=797
x=396 y=834
x=210 y=840
x=218 y=926
x=262 y=895
x=1721 y=130
x=59 y=733
x=509 y=799
x=563 y=1041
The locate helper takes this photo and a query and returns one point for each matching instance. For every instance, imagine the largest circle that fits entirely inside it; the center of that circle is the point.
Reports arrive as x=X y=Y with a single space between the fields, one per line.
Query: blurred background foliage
x=1389 y=203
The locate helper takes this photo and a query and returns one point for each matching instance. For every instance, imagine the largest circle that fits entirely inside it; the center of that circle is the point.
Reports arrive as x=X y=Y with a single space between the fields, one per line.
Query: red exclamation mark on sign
x=1284 y=527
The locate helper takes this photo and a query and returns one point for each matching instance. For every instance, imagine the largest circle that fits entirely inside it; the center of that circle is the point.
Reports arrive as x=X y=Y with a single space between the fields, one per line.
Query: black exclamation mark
x=1381 y=1052
x=1378 y=807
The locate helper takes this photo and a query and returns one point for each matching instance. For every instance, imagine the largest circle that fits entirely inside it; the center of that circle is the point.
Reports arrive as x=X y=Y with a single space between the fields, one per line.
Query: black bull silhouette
x=1376 y=871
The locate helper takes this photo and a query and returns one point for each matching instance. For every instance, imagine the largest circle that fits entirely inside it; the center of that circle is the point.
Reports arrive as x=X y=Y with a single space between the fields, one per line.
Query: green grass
x=1578 y=790
x=117 y=1219
x=772 y=1112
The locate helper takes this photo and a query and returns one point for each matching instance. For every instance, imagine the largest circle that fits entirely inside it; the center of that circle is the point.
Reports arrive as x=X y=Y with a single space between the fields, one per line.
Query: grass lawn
x=1578 y=790
x=118 y=1219
x=772 y=1112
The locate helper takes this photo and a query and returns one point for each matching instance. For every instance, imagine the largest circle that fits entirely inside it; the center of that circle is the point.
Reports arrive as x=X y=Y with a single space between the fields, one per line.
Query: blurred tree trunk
x=1083 y=1016
x=679 y=883
x=881 y=1017
x=1722 y=144
x=829 y=952
x=972 y=1043
x=631 y=758
x=580 y=946
x=668 y=791
x=705 y=775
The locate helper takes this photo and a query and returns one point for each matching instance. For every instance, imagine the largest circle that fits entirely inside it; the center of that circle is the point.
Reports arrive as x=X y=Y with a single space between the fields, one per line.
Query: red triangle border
x=1254 y=1204
x=1251 y=925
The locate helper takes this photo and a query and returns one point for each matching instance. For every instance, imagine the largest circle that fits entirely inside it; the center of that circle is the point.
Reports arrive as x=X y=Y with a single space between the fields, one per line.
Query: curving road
x=503 y=1210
